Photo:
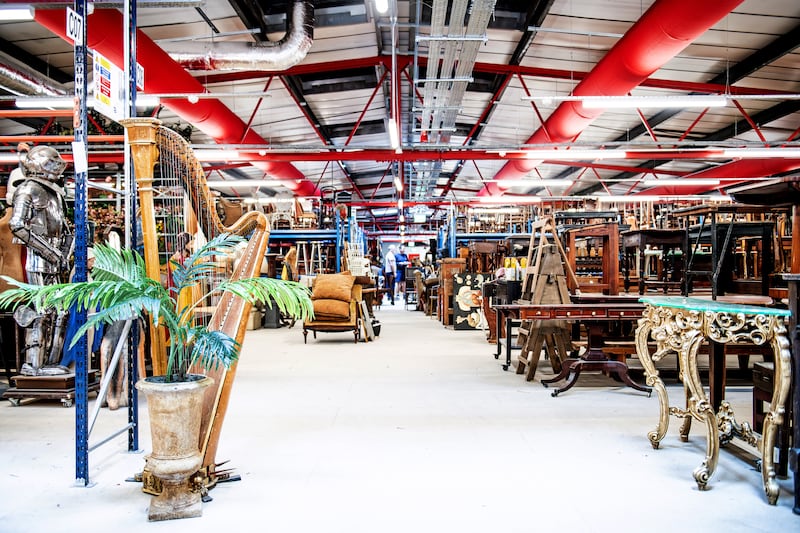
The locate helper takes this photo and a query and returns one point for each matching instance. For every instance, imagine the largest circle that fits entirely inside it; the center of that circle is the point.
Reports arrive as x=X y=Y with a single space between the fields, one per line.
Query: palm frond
x=127 y=309
x=113 y=265
x=213 y=348
x=24 y=293
x=291 y=297
x=198 y=265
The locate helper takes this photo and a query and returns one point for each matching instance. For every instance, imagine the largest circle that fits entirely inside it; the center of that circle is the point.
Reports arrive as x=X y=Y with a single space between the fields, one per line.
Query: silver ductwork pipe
x=273 y=56
x=18 y=78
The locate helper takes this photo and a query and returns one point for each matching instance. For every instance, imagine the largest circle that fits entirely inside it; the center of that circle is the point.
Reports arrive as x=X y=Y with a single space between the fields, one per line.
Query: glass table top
x=714 y=306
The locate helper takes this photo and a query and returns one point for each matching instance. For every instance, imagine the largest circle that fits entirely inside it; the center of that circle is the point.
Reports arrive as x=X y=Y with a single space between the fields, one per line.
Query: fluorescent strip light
x=757 y=153
x=243 y=184
x=147 y=100
x=629 y=199
x=545 y=182
x=394 y=134
x=688 y=182
x=499 y=210
x=506 y=200
x=58 y=102
x=16 y=13
x=572 y=155
x=218 y=155
x=640 y=102
x=266 y=201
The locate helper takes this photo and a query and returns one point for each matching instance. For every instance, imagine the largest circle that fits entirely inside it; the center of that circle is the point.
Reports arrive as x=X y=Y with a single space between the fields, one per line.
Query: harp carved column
x=141 y=137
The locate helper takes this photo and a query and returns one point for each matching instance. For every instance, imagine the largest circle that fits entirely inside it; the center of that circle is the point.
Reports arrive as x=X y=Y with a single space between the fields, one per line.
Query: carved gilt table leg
x=774 y=418
x=652 y=378
x=686 y=426
x=758 y=329
x=699 y=407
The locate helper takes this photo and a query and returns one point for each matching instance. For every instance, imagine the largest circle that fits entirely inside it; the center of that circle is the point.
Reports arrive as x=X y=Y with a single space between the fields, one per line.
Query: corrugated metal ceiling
x=541 y=48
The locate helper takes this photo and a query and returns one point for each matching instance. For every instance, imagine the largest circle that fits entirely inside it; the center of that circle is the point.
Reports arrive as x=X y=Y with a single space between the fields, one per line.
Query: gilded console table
x=680 y=325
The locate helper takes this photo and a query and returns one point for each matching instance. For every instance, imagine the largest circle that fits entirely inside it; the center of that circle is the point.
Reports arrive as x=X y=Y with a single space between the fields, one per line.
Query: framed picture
x=467 y=301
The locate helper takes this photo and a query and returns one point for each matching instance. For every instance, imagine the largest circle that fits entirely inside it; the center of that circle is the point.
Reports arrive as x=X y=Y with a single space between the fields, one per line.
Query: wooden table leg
x=593 y=360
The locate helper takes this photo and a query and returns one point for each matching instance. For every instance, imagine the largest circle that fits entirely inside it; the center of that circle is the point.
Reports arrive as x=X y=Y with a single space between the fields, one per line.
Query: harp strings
x=174 y=190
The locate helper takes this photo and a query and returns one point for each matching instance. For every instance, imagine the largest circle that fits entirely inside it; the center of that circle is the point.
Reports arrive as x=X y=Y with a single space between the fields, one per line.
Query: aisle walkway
x=420 y=431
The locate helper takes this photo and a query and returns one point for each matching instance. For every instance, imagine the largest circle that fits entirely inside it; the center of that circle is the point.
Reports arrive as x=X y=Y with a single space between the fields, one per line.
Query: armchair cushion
x=328 y=309
x=332 y=287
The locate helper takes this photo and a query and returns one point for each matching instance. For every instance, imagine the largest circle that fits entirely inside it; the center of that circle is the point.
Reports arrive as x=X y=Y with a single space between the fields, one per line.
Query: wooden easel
x=545 y=283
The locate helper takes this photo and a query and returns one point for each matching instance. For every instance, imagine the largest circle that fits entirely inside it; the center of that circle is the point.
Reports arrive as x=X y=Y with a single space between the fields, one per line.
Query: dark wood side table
x=662 y=240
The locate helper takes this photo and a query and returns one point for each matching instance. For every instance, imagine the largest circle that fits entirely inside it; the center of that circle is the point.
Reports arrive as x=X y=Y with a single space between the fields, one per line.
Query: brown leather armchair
x=336 y=299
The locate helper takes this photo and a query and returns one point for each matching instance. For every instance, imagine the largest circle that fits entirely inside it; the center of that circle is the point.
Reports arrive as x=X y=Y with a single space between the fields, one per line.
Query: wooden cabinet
x=448 y=268
x=593 y=254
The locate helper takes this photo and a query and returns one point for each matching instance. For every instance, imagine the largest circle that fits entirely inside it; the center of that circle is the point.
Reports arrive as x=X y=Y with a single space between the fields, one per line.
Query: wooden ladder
x=545 y=283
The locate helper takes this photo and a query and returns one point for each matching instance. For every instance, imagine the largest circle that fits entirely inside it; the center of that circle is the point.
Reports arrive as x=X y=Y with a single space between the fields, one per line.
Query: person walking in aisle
x=390 y=272
x=401 y=259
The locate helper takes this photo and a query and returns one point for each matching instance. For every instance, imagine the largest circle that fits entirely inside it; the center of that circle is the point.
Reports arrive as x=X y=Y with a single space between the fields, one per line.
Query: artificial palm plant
x=120 y=290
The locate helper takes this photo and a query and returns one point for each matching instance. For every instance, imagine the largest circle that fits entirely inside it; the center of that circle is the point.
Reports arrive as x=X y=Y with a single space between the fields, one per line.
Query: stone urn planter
x=175 y=411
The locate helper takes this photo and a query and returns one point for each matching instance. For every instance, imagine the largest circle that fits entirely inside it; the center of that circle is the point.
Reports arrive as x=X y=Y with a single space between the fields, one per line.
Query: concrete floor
x=420 y=431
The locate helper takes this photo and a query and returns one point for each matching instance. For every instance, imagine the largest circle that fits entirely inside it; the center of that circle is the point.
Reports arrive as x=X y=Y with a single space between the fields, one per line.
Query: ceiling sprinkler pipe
x=277 y=56
x=18 y=78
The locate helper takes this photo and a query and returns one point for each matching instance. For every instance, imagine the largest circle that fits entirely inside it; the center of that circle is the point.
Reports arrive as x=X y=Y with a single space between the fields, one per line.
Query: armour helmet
x=42 y=162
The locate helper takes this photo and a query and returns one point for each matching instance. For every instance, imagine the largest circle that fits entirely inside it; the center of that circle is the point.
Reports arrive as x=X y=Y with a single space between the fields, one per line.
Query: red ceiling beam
x=413 y=155
x=36 y=113
x=59 y=139
x=487 y=68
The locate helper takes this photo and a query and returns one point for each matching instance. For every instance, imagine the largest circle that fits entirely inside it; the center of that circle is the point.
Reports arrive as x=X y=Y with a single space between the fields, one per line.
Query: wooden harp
x=150 y=142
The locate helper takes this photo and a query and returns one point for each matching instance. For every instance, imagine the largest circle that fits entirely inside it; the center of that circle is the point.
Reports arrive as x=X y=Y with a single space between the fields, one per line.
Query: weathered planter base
x=175 y=411
x=175 y=501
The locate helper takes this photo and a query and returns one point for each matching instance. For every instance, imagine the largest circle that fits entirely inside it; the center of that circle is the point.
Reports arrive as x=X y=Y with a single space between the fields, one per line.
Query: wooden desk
x=593 y=316
x=679 y=325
